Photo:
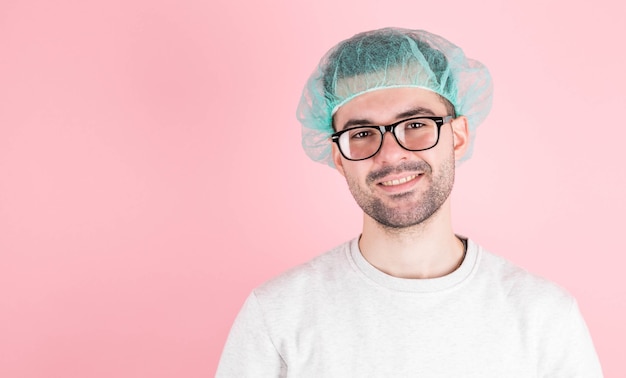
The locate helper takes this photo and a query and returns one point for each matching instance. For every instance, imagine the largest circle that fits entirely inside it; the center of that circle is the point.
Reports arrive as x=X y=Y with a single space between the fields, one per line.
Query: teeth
x=399 y=181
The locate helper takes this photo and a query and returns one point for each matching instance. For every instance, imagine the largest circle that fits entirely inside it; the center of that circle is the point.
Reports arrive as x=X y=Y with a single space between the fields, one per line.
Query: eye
x=414 y=125
x=361 y=134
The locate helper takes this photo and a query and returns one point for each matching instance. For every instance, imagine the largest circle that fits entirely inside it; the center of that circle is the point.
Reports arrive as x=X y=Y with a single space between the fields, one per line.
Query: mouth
x=399 y=181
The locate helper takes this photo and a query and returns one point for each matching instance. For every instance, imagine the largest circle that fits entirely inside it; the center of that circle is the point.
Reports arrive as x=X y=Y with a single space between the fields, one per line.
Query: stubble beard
x=407 y=209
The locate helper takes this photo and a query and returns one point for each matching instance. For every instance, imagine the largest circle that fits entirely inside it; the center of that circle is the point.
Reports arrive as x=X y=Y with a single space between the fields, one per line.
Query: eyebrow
x=407 y=114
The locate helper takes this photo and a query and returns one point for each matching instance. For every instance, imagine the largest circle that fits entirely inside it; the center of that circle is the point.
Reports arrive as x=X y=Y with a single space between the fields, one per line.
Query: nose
x=390 y=150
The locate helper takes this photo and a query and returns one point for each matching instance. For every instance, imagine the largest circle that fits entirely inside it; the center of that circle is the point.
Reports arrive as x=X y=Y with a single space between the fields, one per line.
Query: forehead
x=385 y=106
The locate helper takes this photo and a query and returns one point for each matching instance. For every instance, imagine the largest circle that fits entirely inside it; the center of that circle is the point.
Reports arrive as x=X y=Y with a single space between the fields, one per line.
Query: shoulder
x=309 y=277
x=545 y=313
x=521 y=287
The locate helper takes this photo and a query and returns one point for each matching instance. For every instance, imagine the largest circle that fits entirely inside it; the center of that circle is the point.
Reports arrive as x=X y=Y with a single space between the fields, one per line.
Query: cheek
x=441 y=152
x=355 y=172
x=337 y=159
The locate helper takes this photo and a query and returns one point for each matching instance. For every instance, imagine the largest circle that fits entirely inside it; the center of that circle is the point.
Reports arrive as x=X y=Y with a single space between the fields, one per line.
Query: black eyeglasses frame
x=439 y=121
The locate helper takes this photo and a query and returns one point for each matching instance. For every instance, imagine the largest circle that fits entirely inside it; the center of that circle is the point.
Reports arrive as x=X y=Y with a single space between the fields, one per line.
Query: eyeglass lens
x=413 y=134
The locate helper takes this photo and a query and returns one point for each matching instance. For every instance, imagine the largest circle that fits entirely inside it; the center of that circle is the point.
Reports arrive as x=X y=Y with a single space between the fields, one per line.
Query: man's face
x=396 y=187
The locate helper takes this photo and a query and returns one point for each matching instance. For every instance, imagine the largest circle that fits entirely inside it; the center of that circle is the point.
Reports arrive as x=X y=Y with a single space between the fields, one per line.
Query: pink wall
x=151 y=173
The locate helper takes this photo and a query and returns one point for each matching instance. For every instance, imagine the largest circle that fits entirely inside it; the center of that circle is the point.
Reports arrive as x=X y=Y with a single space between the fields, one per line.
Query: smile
x=399 y=181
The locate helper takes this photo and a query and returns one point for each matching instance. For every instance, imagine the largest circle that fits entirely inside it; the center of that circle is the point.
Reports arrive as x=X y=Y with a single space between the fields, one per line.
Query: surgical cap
x=390 y=58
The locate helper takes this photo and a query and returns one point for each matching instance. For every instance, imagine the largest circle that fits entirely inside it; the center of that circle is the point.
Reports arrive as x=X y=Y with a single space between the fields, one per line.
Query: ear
x=337 y=159
x=460 y=135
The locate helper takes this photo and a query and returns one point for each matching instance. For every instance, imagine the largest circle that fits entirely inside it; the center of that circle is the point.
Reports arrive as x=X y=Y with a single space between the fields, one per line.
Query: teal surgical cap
x=390 y=58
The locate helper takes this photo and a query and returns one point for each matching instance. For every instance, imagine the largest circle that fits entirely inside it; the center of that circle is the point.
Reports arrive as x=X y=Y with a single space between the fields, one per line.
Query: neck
x=426 y=250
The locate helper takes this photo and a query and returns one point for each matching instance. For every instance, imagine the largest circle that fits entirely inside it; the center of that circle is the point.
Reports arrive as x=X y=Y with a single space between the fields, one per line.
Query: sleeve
x=570 y=352
x=249 y=350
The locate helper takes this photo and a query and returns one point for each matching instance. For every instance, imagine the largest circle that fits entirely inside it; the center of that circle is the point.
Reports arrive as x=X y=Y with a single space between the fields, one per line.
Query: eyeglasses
x=413 y=134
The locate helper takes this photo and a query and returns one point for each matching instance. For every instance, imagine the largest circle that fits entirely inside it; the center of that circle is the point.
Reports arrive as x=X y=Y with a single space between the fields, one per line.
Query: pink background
x=151 y=173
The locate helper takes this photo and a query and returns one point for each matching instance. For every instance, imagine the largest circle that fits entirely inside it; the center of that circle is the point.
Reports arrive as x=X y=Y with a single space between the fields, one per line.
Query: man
x=394 y=111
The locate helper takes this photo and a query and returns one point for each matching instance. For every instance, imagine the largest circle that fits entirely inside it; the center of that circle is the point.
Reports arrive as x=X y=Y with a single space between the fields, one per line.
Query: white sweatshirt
x=338 y=316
